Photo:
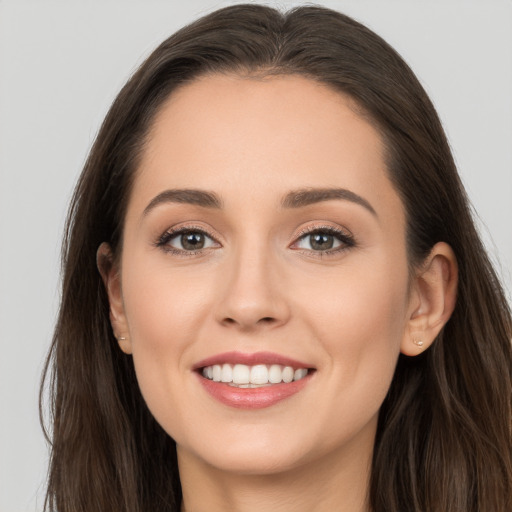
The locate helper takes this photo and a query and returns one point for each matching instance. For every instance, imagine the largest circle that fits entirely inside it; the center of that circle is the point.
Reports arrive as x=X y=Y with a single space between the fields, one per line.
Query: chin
x=249 y=456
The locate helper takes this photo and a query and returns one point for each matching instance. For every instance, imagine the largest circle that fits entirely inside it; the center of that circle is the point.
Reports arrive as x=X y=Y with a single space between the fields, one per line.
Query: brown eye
x=321 y=241
x=325 y=240
x=186 y=241
x=192 y=241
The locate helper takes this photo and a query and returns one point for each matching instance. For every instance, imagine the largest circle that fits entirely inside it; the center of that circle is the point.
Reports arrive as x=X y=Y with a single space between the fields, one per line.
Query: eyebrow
x=187 y=196
x=307 y=196
x=293 y=199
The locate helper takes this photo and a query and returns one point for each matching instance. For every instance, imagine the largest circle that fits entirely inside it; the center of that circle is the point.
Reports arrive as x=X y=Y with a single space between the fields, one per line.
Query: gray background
x=61 y=64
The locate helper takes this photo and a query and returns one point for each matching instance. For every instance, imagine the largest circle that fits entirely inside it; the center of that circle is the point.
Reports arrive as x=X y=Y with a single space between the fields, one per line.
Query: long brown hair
x=444 y=435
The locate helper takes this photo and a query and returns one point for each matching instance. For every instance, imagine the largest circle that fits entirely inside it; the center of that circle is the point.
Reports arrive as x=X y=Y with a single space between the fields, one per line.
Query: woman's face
x=263 y=230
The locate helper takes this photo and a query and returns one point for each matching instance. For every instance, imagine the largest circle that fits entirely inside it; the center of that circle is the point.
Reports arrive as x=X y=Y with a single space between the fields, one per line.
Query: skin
x=259 y=285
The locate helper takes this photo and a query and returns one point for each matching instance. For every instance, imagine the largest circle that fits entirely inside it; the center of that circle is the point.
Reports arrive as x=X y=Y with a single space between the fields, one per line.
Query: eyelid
x=173 y=232
x=342 y=234
x=323 y=227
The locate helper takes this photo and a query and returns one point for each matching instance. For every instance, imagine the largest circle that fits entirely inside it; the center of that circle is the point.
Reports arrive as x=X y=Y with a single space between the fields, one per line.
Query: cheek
x=364 y=315
x=360 y=322
x=363 y=303
x=164 y=311
x=162 y=306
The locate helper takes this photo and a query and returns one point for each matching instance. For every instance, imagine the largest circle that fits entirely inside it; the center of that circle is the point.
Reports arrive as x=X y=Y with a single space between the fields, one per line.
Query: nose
x=254 y=292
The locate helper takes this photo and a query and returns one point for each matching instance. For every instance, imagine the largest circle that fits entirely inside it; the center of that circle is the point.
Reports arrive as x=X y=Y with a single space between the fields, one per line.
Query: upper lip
x=251 y=360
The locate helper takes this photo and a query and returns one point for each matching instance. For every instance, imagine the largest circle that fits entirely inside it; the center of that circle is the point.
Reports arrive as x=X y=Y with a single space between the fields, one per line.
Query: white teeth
x=275 y=374
x=287 y=374
x=216 y=372
x=226 y=374
x=259 y=374
x=243 y=376
x=300 y=374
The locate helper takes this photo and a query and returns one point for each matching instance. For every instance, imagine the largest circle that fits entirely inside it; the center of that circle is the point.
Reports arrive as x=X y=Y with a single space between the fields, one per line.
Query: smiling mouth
x=255 y=376
x=252 y=381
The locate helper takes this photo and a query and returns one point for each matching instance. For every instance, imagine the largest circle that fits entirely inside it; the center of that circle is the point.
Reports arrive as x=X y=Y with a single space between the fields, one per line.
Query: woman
x=274 y=295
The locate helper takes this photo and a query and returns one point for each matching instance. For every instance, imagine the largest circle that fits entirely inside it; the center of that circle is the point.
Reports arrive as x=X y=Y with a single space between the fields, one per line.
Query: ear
x=110 y=273
x=433 y=298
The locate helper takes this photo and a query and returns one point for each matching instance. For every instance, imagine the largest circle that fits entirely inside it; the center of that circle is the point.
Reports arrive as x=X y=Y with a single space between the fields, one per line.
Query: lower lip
x=252 y=398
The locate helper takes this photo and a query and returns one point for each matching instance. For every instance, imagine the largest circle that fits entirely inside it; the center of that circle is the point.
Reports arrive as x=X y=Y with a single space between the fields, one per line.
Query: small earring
x=418 y=342
x=121 y=338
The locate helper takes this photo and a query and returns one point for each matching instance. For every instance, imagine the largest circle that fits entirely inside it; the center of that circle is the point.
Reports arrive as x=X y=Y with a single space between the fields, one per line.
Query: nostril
x=248 y=322
x=266 y=320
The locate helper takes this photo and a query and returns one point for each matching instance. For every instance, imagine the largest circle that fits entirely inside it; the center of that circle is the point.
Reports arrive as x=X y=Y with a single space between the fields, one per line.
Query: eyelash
x=166 y=237
x=346 y=239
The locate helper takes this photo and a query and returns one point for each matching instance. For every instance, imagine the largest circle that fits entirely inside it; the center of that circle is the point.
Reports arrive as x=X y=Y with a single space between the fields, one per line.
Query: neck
x=337 y=482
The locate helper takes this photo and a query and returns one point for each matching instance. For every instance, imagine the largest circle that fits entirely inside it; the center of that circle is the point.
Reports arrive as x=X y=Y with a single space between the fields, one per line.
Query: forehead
x=244 y=136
